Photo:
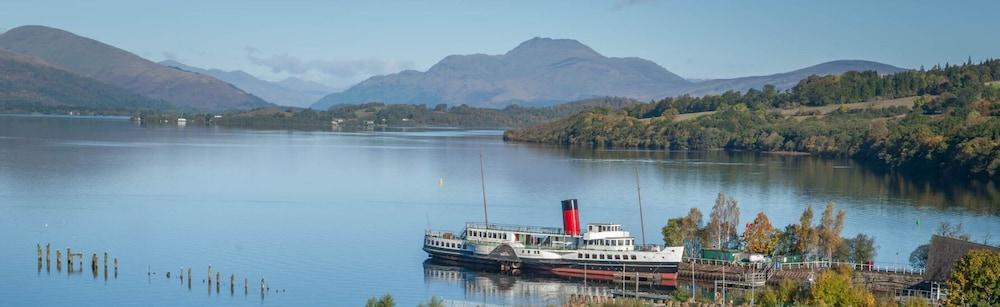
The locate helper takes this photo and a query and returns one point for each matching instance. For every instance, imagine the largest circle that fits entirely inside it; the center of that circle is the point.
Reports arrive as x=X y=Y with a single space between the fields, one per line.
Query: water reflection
x=825 y=177
x=488 y=288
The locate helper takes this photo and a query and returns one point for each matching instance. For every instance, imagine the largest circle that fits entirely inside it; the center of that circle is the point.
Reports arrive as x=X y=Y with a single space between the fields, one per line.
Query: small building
x=720 y=254
x=944 y=252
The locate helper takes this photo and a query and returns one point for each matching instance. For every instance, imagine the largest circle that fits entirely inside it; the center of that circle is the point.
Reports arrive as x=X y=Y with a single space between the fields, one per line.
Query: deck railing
x=517 y=228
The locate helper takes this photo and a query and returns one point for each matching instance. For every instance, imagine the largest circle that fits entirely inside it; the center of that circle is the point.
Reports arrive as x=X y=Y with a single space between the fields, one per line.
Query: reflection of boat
x=603 y=252
x=503 y=289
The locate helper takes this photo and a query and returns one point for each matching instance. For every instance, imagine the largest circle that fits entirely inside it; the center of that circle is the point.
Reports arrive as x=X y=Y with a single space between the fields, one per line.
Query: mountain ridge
x=114 y=66
x=29 y=84
x=787 y=80
x=538 y=72
x=273 y=92
x=545 y=71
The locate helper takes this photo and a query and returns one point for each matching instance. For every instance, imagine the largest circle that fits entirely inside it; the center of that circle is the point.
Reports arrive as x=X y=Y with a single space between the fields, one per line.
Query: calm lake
x=333 y=218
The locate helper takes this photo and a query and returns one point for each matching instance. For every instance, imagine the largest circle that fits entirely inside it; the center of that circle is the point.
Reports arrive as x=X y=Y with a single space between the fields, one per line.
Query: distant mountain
x=29 y=84
x=788 y=79
x=540 y=71
x=306 y=86
x=120 y=68
x=274 y=92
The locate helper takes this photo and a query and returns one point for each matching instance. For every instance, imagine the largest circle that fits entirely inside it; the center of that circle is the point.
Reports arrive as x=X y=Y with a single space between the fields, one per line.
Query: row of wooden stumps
x=217 y=279
x=70 y=257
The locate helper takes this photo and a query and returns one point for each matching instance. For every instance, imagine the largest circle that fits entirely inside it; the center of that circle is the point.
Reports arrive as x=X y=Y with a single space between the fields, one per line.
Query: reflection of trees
x=827 y=178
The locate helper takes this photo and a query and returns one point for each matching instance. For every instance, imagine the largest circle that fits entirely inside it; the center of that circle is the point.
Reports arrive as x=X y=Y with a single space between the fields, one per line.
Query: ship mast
x=482 y=184
x=642 y=222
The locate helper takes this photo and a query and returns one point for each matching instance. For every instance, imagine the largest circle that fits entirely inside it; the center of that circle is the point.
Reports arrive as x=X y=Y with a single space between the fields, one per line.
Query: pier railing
x=822 y=264
x=855 y=266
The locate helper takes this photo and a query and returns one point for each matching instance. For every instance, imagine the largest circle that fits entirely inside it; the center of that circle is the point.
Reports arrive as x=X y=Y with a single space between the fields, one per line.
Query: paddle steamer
x=602 y=252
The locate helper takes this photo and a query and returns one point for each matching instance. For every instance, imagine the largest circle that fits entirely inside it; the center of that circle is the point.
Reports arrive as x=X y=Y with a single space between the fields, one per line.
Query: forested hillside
x=29 y=84
x=954 y=128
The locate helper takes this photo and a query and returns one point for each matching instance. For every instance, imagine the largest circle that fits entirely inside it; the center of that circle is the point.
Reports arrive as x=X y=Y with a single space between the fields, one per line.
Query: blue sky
x=340 y=43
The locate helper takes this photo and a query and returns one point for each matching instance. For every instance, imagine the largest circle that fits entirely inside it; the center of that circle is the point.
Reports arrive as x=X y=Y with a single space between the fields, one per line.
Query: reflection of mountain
x=494 y=288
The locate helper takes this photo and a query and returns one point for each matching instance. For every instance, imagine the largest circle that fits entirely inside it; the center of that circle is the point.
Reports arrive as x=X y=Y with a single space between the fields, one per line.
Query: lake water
x=334 y=218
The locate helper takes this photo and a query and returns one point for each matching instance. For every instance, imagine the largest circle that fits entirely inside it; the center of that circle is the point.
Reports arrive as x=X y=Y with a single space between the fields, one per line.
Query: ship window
x=579 y=255
x=617 y=257
x=633 y=257
x=602 y=256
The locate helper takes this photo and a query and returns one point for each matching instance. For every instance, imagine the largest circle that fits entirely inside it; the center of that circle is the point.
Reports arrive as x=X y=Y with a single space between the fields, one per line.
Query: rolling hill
x=105 y=63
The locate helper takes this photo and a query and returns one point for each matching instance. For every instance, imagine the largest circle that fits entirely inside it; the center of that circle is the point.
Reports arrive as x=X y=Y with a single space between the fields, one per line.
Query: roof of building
x=944 y=252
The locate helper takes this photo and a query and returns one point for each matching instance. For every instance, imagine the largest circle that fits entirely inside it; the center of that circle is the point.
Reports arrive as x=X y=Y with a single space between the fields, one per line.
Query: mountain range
x=538 y=72
x=544 y=71
x=288 y=92
x=116 y=67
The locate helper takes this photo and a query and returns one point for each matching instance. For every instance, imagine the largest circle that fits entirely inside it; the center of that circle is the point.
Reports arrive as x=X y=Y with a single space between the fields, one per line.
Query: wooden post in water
x=116 y=267
x=209 y=280
x=93 y=264
x=38 y=247
x=232 y=284
x=69 y=260
x=246 y=287
x=105 y=260
x=47 y=257
x=217 y=282
x=636 y=283
x=189 y=278
x=58 y=260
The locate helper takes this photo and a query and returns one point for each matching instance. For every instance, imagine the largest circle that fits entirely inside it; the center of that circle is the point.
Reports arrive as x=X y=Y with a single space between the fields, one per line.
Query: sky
x=340 y=43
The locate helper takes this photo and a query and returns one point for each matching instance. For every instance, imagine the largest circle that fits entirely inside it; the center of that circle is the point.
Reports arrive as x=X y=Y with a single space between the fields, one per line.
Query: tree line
x=393 y=115
x=853 y=86
x=954 y=132
x=822 y=241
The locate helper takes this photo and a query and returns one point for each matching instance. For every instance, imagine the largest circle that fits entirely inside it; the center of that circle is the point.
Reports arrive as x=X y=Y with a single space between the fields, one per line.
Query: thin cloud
x=284 y=63
x=620 y=4
x=167 y=55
